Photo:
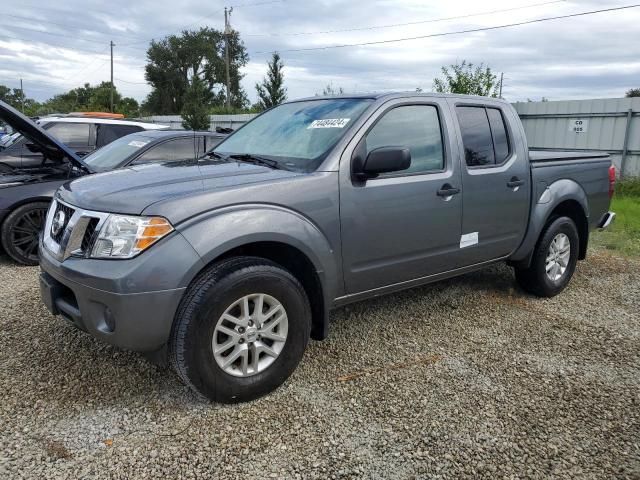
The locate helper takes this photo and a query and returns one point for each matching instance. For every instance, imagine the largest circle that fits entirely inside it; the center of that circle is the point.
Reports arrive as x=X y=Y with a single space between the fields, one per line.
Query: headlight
x=124 y=236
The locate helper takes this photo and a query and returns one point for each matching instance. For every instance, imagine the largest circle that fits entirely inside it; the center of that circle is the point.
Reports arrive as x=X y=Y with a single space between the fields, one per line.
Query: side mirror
x=381 y=160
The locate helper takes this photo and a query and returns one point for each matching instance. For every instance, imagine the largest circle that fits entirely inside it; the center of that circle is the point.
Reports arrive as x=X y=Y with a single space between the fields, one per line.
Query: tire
x=213 y=294
x=535 y=278
x=21 y=230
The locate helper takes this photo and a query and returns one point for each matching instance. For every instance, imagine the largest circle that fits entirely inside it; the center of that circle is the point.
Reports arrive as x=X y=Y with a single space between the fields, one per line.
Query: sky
x=54 y=47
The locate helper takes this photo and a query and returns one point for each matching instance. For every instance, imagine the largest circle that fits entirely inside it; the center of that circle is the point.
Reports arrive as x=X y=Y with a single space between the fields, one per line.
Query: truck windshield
x=296 y=135
x=113 y=154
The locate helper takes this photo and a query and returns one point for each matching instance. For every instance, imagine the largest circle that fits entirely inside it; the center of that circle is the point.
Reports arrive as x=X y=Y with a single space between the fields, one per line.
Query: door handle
x=447 y=190
x=515 y=182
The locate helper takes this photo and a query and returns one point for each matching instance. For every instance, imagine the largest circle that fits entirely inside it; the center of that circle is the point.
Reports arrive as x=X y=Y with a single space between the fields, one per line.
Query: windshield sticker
x=329 y=123
x=137 y=143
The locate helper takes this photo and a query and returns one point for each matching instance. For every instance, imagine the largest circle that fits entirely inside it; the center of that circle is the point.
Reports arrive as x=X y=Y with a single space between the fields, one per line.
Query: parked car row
x=227 y=267
x=34 y=166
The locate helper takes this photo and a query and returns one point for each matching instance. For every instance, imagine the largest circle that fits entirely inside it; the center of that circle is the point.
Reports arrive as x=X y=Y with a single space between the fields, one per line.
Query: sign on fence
x=578 y=125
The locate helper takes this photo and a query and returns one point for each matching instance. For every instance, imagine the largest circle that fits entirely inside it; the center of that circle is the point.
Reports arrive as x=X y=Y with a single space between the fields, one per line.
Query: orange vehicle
x=114 y=116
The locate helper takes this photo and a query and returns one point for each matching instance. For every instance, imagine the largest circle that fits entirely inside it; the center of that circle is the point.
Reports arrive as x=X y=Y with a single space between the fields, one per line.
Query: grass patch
x=624 y=234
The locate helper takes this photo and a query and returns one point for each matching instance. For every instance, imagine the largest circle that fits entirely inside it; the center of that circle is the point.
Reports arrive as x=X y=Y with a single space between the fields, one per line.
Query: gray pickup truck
x=229 y=266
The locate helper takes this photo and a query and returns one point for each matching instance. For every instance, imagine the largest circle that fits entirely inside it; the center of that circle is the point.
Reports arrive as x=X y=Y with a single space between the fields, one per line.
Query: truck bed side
x=566 y=183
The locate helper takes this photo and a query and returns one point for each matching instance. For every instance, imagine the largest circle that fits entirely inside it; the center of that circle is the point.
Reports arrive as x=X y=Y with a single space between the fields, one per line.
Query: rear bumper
x=606 y=220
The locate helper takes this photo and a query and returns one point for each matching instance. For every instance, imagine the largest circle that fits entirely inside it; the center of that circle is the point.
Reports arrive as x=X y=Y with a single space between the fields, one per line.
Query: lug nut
x=241 y=330
x=251 y=323
x=241 y=340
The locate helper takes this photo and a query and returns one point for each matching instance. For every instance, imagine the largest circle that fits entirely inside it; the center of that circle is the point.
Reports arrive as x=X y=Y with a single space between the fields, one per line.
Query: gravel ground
x=465 y=378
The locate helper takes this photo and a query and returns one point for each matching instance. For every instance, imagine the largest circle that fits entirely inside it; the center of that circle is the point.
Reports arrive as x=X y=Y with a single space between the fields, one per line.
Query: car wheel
x=21 y=231
x=554 y=259
x=241 y=330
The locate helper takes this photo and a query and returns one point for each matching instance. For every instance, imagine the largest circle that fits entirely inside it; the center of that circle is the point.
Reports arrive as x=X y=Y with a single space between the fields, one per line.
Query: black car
x=25 y=194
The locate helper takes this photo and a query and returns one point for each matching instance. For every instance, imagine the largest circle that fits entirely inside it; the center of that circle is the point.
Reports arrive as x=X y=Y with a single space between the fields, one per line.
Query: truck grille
x=72 y=232
x=88 y=237
x=68 y=213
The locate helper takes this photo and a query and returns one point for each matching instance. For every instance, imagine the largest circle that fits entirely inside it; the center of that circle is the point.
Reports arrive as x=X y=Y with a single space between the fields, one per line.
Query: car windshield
x=112 y=155
x=296 y=135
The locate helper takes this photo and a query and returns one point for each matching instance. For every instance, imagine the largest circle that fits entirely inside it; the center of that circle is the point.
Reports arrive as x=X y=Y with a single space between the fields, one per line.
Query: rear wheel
x=241 y=330
x=554 y=259
x=21 y=230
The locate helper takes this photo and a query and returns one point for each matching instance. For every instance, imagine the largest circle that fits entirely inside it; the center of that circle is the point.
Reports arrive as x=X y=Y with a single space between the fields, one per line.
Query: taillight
x=612 y=180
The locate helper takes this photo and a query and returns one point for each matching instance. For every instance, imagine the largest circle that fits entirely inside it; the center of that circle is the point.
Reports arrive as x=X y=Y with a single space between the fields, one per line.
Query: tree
x=176 y=59
x=464 y=78
x=329 y=90
x=92 y=99
x=194 y=112
x=633 y=92
x=18 y=100
x=272 y=91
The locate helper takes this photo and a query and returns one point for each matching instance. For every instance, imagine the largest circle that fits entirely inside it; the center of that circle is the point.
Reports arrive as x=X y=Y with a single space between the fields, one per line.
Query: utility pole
x=21 y=96
x=111 y=100
x=501 y=77
x=227 y=32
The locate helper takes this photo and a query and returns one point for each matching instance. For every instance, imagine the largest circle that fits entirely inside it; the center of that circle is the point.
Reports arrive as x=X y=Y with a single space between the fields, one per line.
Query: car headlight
x=124 y=236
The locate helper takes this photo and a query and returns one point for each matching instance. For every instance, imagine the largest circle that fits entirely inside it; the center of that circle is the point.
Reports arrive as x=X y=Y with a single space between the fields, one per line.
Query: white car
x=81 y=132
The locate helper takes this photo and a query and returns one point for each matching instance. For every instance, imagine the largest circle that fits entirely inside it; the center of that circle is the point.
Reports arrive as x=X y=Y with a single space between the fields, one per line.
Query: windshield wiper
x=213 y=154
x=249 y=158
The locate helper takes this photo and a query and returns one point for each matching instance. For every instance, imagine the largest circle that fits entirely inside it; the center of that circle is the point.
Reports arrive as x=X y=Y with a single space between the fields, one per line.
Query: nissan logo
x=58 y=223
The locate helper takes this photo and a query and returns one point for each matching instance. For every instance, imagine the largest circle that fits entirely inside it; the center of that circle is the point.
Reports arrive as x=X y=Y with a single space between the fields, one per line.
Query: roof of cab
x=391 y=95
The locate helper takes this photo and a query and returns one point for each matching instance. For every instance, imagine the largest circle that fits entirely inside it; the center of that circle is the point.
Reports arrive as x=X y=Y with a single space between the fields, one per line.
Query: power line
x=53 y=45
x=471 y=30
x=132 y=83
x=391 y=25
x=64 y=25
x=54 y=33
x=239 y=5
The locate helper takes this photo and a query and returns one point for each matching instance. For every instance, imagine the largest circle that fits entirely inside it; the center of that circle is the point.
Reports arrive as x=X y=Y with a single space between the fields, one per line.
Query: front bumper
x=107 y=298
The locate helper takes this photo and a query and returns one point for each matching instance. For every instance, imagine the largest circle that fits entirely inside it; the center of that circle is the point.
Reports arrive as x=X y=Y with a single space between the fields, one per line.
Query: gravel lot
x=465 y=378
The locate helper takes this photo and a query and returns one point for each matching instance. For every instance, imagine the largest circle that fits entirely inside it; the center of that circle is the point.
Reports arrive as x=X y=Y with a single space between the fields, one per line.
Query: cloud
x=63 y=46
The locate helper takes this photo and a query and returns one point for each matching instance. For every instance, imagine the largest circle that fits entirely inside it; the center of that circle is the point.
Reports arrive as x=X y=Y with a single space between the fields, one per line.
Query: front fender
x=546 y=199
x=216 y=232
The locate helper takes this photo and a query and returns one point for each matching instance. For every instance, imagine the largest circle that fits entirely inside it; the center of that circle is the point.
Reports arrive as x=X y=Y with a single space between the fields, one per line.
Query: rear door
x=495 y=180
x=396 y=227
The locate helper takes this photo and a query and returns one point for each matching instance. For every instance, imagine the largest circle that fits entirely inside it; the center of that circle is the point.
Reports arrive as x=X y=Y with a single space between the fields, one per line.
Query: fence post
x=625 y=143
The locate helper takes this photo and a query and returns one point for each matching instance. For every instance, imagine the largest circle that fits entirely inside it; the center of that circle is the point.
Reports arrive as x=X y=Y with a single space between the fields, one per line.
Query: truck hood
x=131 y=190
x=48 y=144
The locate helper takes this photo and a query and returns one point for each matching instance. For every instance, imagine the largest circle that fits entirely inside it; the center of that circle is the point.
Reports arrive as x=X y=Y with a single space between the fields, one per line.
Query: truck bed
x=556 y=155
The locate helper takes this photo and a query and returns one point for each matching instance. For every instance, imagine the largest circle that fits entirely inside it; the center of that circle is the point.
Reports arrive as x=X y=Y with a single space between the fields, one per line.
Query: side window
x=416 y=127
x=76 y=134
x=499 y=134
x=476 y=136
x=107 y=133
x=179 y=149
x=484 y=135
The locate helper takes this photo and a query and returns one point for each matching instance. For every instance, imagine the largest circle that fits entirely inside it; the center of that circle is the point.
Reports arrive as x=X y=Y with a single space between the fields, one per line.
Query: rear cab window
x=484 y=136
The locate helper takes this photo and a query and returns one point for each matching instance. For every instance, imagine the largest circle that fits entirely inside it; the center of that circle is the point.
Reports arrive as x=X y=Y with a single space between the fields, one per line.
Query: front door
x=403 y=225
x=495 y=181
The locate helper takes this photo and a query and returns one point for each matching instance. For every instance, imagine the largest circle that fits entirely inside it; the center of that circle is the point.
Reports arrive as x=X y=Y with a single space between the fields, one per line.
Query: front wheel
x=241 y=330
x=554 y=259
x=21 y=231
